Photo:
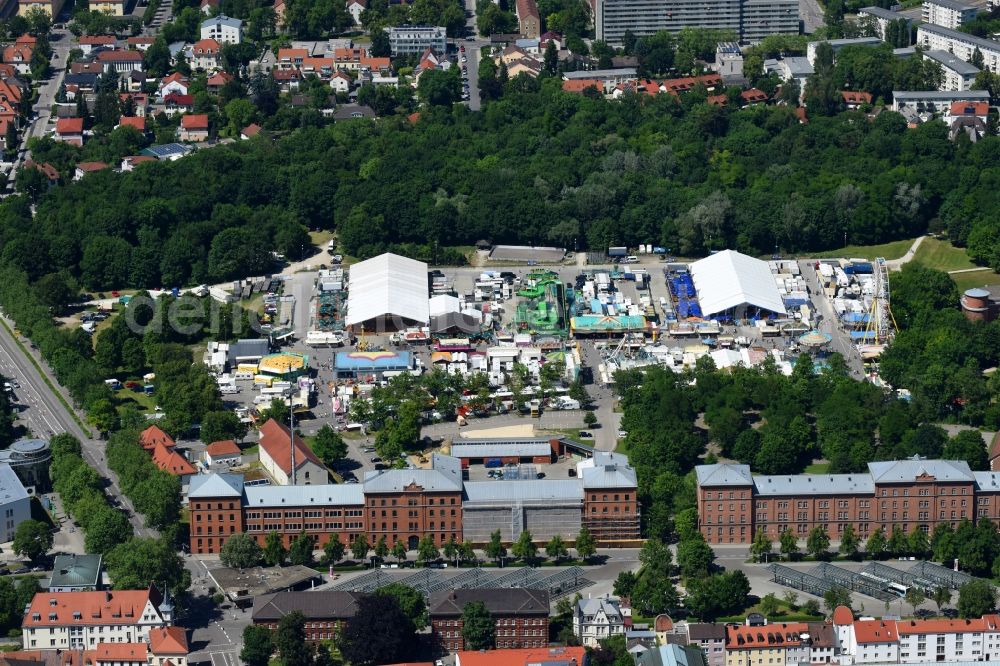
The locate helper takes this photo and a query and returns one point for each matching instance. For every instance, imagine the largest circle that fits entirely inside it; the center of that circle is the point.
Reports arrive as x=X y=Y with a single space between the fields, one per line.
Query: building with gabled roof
x=386 y=293
x=548 y=656
x=325 y=611
x=168 y=645
x=731 y=281
x=194 y=127
x=75 y=573
x=205 y=54
x=173 y=463
x=276 y=457
x=153 y=436
x=69 y=130
x=598 y=619
x=224 y=452
x=520 y=615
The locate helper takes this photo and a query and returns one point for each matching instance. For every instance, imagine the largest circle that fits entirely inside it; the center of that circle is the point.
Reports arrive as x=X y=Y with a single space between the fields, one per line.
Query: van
x=631 y=259
x=242 y=376
x=113 y=384
x=227 y=389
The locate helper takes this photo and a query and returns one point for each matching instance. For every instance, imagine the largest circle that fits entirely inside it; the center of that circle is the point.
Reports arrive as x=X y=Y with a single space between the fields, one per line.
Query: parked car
x=586 y=434
x=376 y=459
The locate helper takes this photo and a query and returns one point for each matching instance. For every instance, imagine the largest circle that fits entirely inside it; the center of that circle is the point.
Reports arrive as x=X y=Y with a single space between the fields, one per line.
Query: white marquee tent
x=388 y=286
x=728 y=279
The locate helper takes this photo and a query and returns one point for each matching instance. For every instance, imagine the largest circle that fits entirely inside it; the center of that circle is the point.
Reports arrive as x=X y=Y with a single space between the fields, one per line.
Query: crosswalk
x=228 y=657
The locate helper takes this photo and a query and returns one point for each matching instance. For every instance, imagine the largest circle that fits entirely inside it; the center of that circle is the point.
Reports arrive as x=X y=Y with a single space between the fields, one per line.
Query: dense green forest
x=537 y=166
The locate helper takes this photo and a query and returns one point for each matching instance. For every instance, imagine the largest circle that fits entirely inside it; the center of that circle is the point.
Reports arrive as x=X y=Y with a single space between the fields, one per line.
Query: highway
x=45 y=415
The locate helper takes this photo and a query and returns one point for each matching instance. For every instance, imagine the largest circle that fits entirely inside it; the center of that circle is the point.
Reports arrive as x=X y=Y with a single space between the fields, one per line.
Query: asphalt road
x=811 y=15
x=50 y=416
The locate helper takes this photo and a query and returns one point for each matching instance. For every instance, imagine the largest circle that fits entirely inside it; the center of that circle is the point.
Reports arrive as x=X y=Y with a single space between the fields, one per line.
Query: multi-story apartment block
x=881 y=17
x=223 y=29
x=711 y=638
x=82 y=620
x=958 y=74
x=521 y=616
x=768 y=645
x=415 y=39
x=408 y=504
x=947 y=13
x=750 y=19
x=913 y=494
x=932 y=37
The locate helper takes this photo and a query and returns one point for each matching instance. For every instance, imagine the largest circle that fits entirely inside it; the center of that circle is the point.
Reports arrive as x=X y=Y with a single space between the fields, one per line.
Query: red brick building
x=521 y=616
x=914 y=494
x=215 y=510
x=325 y=611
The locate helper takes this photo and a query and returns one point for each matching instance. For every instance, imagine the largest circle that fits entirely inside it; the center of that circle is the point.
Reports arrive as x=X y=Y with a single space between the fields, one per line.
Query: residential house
x=595 y=620
x=223 y=29
x=154 y=436
x=50 y=7
x=83 y=168
x=169 y=460
x=279 y=13
x=110 y=7
x=341 y=82
x=138 y=123
x=928 y=103
x=194 y=127
x=11 y=95
x=872 y=642
x=90 y=42
x=19 y=56
x=81 y=620
x=321 y=68
x=69 y=130
x=250 y=131
x=520 y=616
x=415 y=39
x=550 y=36
x=288 y=80
x=135 y=81
x=129 y=163
x=967 y=118
x=776 y=643
x=855 y=98
x=291 y=58
x=711 y=638
x=120 y=62
x=276 y=457
x=140 y=42
x=528 y=66
x=217 y=81
x=513 y=53
x=528 y=21
x=166 y=152
x=354 y=8
x=753 y=96
x=325 y=611
x=47 y=169
x=580 y=85
x=168 y=646
x=138 y=102
x=175 y=103
x=209 y=6
x=795 y=68
x=75 y=573
x=175 y=83
x=205 y=54
x=225 y=452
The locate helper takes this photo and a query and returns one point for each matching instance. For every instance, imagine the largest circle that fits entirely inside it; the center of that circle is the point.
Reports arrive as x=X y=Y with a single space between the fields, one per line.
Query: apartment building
x=926 y=103
x=711 y=638
x=749 y=19
x=415 y=39
x=775 y=644
x=914 y=493
x=223 y=29
x=958 y=74
x=932 y=37
x=82 y=620
x=409 y=504
x=520 y=615
x=947 y=13
x=880 y=18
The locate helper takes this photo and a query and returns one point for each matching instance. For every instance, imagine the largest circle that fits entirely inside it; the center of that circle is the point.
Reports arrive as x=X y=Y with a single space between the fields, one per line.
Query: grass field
x=983 y=278
x=818 y=468
x=942 y=255
x=893 y=250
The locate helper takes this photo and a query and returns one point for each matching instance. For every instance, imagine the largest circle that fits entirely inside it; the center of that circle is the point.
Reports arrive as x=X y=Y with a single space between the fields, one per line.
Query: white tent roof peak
x=387 y=285
x=729 y=279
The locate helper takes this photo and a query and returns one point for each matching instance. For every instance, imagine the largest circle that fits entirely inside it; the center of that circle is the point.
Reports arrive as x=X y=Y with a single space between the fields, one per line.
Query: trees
x=976 y=598
x=818 y=542
x=898 y=543
x=495 y=548
x=876 y=544
x=360 y=547
x=381 y=548
x=717 y=595
x=241 y=551
x=274 y=550
x=140 y=562
x=329 y=445
x=301 y=550
x=849 y=542
x=789 y=544
x=439 y=87
x=427 y=551
x=290 y=640
x=695 y=557
x=917 y=543
x=769 y=605
x=556 y=548
x=941 y=597
x=590 y=418
x=32 y=539
x=524 y=548
x=258 y=645
x=221 y=425
x=410 y=601
x=333 y=550
x=585 y=545
x=836 y=596
x=381 y=632
x=399 y=551
x=968 y=445
x=915 y=596
x=477 y=626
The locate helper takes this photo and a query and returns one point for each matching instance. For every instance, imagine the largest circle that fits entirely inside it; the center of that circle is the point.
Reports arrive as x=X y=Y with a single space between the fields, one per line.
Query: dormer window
x=36 y=617
x=52 y=616
x=53 y=602
x=77 y=615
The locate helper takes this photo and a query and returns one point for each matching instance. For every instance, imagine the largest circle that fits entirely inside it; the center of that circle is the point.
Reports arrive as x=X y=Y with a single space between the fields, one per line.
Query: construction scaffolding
x=899 y=576
x=856 y=582
x=799 y=580
x=940 y=575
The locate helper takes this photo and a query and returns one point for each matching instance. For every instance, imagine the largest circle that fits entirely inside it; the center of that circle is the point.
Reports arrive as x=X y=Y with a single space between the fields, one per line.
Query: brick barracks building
x=409 y=504
x=914 y=493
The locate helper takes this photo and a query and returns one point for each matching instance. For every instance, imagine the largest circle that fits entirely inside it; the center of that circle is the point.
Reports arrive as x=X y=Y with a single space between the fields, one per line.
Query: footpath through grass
x=942 y=255
x=893 y=250
x=983 y=278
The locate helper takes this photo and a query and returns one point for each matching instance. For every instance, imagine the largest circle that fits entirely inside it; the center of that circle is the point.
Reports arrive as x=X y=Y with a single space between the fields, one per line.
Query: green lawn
x=893 y=250
x=818 y=468
x=785 y=614
x=983 y=278
x=145 y=402
x=942 y=255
